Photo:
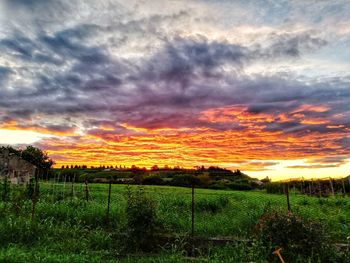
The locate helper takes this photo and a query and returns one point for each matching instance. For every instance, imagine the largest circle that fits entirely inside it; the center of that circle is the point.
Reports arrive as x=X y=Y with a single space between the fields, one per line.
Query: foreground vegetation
x=65 y=227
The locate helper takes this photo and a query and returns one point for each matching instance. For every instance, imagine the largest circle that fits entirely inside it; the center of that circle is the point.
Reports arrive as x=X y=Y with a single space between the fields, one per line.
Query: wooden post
x=344 y=190
x=64 y=186
x=286 y=190
x=72 y=189
x=57 y=184
x=331 y=184
x=310 y=188
x=35 y=194
x=319 y=189
x=302 y=186
x=86 y=190
x=192 y=226
x=109 y=201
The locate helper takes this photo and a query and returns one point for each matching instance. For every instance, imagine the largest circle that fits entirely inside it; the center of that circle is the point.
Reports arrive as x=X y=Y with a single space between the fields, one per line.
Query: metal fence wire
x=188 y=211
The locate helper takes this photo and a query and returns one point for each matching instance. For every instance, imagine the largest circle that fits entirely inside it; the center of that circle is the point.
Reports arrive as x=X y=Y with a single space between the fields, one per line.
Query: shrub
x=240 y=186
x=142 y=223
x=204 y=180
x=217 y=186
x=5 y=190
x=297 y=237
x=186 y=180
x=153 y=180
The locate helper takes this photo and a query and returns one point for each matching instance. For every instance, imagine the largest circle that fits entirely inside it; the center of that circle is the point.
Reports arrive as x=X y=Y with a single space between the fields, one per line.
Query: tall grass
x=72 y=229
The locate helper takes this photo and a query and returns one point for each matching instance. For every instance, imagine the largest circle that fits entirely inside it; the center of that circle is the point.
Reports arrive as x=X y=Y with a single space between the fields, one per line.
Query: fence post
x=192 y=219
x=319 y=189
x=286 y=190
x=86 y=190
x=192 y=228
x=64 y=186
x=343 y=184
x=35 y=194
x=72 y=189
x=109 y=202
x=294 y=190
x=310 y=192
x=331 y=184
x=302 y=186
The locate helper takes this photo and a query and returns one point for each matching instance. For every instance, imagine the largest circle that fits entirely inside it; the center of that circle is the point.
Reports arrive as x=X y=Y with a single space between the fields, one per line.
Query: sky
x=260 y=86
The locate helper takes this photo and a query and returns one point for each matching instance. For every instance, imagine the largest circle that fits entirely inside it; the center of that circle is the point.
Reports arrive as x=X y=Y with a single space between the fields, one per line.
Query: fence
x=189 y=211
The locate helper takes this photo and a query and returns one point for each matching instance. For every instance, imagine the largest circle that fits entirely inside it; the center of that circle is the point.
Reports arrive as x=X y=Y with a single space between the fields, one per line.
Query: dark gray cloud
x=133 y=70
x=173 y=85
x=293 y=45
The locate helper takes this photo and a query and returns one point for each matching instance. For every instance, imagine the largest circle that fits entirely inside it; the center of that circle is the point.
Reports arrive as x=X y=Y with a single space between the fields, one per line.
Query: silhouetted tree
x=37 y=157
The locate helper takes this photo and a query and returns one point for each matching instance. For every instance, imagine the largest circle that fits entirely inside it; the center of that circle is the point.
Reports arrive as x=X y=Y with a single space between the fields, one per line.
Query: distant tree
x=238 y=172
x=266 y=180
x=155 y=168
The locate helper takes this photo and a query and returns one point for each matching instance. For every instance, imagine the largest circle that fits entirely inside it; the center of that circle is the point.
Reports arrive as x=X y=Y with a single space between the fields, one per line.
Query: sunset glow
x=260 y=88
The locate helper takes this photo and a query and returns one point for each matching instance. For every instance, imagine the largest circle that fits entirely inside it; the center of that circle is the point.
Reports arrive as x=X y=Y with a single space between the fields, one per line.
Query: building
x=17 y=170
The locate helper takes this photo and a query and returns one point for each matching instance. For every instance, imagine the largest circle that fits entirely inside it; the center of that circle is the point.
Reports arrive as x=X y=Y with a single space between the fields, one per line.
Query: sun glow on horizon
x=10 y=137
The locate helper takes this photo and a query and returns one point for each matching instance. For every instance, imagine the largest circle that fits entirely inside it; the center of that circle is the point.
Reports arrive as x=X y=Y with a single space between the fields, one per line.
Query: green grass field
x=69 y=229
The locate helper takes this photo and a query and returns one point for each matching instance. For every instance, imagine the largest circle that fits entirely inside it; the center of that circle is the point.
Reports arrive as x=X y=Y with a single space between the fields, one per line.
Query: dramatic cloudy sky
x=263 y=86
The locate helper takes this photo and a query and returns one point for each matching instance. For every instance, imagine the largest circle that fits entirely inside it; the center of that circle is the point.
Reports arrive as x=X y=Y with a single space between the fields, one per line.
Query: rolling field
x=67 y=228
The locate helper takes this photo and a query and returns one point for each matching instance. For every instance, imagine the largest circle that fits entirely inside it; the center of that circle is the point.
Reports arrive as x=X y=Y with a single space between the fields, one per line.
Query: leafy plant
x=5 y=190
x=142 y=223
x=295 y=235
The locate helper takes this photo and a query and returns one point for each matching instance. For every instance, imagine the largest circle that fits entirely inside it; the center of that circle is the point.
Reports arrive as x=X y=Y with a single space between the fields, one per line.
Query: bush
x=185 y=180
x=153 y=180
x=217 y=186
x=240 y=186
x=298 y=237
x=142 y=223
x=5 y=189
